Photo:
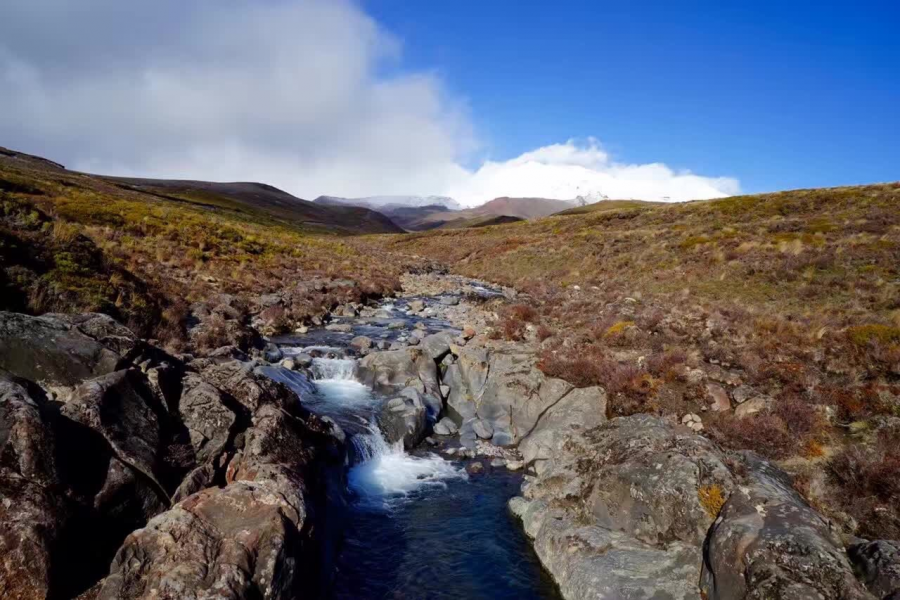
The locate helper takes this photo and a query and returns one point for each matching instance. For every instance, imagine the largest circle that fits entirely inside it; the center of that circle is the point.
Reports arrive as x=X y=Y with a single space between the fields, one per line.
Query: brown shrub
x=867 y=482
x=544 y=333
x=764 y=433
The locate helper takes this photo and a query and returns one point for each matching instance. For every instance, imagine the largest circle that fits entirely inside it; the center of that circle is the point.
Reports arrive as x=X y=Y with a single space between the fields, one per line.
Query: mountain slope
x=486 y=221
x=260 y=199
x=390 y=202
x=144 y=251
x=773 y=321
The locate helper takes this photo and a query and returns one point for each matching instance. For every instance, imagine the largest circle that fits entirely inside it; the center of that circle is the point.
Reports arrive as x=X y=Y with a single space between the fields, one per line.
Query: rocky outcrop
x=643 y=508
x=30 y=512
x=502 y=391
x=60 y=351
x=212 y=470
x=392 y=370
x=578 y=409
x=620 y=512
x=878 y=564
x=249 y=537
x=768 y=543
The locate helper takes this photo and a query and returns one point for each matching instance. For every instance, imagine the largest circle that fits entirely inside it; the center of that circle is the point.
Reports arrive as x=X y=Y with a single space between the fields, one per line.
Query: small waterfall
x=385 y=474
x=382 y=474
x=334 y=369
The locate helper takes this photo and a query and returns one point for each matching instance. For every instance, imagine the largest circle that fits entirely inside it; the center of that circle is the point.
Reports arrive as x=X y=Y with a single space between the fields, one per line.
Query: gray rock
x=397 y=325
x=445 y=426
x=55 y=351
x=403 y=419
x=416 y=306
x=449 y=300
x=498 y=462
x=209 y=422
x=361 y=343
x=878 y=566
x=742 y=393
x=579 y=409
x=483 y=429
x=616 y=511
x=437 y=345
x=752 y=406
x=396 y=369
x=768 y=543
x=273 y=353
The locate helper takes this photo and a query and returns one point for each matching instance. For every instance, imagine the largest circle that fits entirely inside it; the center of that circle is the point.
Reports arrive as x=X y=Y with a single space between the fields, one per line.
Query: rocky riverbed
x=130 y=472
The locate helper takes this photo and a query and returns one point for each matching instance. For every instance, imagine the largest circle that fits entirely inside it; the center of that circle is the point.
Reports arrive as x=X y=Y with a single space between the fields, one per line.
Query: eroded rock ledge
x=193 y=478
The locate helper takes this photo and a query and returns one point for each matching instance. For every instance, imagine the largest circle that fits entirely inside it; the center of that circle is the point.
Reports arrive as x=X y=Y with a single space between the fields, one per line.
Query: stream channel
x=416 y=525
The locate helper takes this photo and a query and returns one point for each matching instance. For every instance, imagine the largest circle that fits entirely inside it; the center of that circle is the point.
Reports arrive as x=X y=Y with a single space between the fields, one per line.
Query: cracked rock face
x=127 y=433
x=768 y=543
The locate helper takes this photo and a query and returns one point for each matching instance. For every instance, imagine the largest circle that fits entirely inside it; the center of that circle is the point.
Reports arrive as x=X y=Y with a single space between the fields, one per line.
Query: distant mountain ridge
x=390 y=202
x=419 y=213
x=265 y=200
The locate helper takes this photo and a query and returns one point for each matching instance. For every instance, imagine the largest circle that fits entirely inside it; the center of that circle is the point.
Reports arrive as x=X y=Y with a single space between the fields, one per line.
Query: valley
x=253 y=395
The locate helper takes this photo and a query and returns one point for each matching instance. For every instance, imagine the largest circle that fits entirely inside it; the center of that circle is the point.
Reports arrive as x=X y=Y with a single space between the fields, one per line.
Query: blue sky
x=653 y=100
x=777 y=94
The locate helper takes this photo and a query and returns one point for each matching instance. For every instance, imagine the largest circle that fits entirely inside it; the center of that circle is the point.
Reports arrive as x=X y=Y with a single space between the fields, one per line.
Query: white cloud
x=289 y=92
x=565 y=171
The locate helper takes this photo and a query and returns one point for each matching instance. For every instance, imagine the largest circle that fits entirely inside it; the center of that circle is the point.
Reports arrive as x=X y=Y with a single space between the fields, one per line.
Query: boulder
x=768 y=543
x=437 y=345
x=752 y=406
x=402 y=419
x=31 y=515
x=394 y=369
x=482 y=429
x=416 y=306
x=580 y=409
x=448 y=300
x=361 y=343
x=209 y=421
x=123 y=410
x=55 y=351
x=878 y=566
x=622 y=510
x=445 y=426
x=242 y=541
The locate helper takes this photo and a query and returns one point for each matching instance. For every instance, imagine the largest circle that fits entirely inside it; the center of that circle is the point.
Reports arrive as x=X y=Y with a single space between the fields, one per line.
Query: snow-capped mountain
x=381 y=202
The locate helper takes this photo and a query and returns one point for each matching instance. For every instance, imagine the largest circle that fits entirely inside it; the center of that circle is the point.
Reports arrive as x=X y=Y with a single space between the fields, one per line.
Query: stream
x=414 y=525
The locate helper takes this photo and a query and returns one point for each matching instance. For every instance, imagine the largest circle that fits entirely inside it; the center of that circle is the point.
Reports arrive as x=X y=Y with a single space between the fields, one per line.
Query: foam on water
x=388 y=474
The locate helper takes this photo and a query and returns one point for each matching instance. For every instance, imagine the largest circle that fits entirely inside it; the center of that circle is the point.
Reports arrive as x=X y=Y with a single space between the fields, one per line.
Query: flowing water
x=416 y=525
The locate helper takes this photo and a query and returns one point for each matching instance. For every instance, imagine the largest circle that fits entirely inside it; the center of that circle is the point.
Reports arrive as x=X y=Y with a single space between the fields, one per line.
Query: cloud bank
x=306 y=95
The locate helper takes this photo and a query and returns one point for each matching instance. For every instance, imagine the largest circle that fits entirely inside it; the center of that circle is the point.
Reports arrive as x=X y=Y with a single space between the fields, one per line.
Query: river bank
x=389 y=449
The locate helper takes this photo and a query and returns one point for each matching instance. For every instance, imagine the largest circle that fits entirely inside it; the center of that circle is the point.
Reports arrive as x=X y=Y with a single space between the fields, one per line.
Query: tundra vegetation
x=774 y=317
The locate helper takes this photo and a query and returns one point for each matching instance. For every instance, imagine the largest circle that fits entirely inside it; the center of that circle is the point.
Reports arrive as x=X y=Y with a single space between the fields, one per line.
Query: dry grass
x=795 y=295
x=72 y=242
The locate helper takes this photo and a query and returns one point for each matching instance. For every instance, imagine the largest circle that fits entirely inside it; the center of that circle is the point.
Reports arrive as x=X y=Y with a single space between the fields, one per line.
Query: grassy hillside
x=792 y=298
x=486 y=221
x=75 y=242
x=607 y=205
x=265 y=204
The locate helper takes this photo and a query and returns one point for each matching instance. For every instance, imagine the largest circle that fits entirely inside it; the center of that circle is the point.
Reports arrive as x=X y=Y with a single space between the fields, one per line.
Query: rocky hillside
x=150 y=253
x=769 y=323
